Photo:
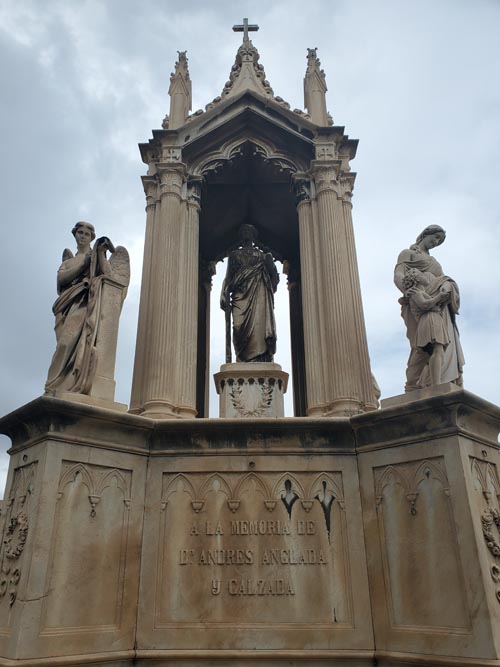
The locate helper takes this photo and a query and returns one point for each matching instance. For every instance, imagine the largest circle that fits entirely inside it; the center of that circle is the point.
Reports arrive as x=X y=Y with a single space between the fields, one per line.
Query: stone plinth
x=251 y=390
x=371 y=540
x=430 y=488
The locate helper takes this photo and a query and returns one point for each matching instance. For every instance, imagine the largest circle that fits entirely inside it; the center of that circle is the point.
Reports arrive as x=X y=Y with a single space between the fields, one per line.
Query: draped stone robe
x=251 y=281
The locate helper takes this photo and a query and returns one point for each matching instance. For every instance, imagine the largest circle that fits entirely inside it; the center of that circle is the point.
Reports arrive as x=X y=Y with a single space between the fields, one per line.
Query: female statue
x=248 y=293
x=429 y=307
x=78 y=311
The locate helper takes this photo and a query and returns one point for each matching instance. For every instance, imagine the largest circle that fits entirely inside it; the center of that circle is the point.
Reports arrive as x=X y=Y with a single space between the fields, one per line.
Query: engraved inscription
x=269 y=536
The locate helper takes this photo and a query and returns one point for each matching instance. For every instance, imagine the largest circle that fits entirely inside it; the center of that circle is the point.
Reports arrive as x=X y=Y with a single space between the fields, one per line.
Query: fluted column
x=313 y=348
x=369 y=389
x=296 y=338
x=188 y=305
x=345 y=379
x=204 y=379
x=151 y=190
x=160 y=390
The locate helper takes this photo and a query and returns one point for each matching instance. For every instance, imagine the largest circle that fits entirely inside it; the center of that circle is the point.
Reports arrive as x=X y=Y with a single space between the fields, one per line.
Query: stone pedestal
x=365 y=541
x=251 y=390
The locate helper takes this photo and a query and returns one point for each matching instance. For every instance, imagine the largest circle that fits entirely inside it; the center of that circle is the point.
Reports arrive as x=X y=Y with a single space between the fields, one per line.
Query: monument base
x=91 y=400
x=371 y=540
x=251 y=390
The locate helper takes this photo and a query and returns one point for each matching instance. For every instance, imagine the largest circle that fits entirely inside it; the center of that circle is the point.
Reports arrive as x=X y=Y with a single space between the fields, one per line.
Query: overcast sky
x=417 y=82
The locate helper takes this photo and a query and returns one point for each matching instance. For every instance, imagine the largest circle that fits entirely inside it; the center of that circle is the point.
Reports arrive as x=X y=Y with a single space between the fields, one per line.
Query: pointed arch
x=70 y=475
x=208 y=484
x=259 y=483
x=180 y=483
x=279 y=486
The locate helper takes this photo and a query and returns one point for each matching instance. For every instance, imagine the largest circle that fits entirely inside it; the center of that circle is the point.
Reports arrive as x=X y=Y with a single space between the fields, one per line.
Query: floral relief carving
x=242 y=400
x=16 y=531
x=485 y=474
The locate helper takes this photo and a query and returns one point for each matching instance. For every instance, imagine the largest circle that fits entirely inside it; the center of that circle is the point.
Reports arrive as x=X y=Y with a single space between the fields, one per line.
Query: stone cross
x=245 y=29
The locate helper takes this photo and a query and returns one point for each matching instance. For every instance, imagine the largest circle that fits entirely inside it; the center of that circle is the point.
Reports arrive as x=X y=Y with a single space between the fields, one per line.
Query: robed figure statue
x=429 y=307
x=248 y=295
x=79 y=308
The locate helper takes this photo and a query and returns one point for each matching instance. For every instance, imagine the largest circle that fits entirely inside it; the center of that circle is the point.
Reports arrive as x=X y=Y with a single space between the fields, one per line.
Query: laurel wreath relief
x=241 y=406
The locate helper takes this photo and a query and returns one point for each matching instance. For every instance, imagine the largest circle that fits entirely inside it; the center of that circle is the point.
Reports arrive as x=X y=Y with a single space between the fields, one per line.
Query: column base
x=164 y=410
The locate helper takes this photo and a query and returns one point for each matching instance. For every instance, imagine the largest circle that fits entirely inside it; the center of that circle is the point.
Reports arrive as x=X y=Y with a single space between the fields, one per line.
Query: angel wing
x=67 y=254
x=120 y=265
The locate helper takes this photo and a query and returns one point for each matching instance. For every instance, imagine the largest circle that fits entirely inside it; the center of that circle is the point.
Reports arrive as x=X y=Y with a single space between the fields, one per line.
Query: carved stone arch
x=70 y=474
x=173 y=487
x=476 y=469
x=316 y=486
x=260 y=486
x=235 y=147
x=279 y=486
x=391 y=473
x=121 y=482
x=208 y=484
x=28 y=476
x=425 y=470
x=491 y=473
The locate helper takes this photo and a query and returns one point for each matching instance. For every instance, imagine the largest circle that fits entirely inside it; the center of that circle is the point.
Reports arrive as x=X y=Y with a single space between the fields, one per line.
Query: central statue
x=248 y=295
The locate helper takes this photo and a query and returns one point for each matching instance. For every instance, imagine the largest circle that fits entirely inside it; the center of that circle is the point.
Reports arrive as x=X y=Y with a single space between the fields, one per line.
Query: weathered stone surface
x=91 y=292
x=429 y=307
x=251 y=390
x=252 y=535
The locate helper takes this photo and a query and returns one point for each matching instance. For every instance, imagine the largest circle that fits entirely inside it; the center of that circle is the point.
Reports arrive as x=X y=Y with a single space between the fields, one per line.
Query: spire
x=180 y=93
x=247 y=73
x=315 y=89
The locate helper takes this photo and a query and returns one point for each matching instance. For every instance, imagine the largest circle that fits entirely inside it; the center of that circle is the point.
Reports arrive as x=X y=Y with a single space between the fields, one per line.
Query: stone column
x=346 y=371
x=297 y=339
x=313 y=349
x=150 y=184
x=163 y=326
x=368 y=386
x=203 y=379
x=188 y=304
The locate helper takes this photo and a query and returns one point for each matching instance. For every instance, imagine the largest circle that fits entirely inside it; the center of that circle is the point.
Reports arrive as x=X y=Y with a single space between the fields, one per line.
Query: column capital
x=292 y=271
x=347 y=186
x=194 y=185
x=207 y=270
x=326 y=175
x=301 y=184
x=172 y=177
x=150 y=185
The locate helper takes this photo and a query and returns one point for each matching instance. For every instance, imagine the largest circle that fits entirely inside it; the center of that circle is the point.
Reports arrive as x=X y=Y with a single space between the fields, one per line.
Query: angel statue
x=80 y=307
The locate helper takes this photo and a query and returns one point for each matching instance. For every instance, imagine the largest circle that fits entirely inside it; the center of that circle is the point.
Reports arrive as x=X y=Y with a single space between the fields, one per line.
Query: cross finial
x=245 y=29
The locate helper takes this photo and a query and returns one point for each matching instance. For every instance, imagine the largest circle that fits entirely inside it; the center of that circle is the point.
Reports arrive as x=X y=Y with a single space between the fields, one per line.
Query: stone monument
x=345 y=535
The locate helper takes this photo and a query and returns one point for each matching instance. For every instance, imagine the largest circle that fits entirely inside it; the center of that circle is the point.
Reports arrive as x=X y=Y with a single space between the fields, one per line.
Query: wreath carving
x=266 y=397
x=15 y=538
x=489 y=518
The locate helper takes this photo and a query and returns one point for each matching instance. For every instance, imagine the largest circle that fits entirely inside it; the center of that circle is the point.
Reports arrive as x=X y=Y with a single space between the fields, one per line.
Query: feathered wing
x=120 y=265
x=67 y=254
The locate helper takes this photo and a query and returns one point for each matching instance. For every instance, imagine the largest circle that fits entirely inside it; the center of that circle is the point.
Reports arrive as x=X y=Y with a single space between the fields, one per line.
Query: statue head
x=82 y=223
x=247 y=232
x=432 y=230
